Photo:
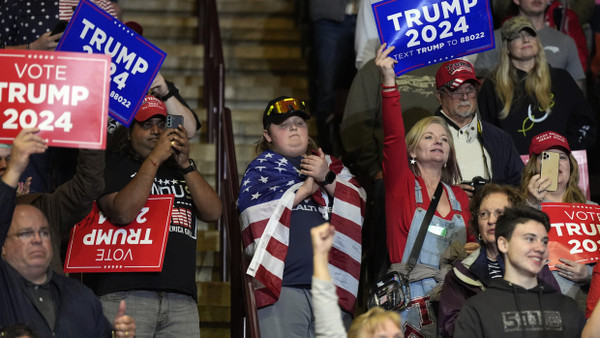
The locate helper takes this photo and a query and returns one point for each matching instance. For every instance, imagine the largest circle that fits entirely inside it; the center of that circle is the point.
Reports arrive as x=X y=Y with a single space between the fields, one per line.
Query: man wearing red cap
x=483 y=151
x=156 y=161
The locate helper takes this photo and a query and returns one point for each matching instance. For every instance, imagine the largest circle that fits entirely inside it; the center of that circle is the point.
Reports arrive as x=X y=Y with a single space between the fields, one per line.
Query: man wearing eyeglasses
x=484 y=152
x=154 y=160
x=32 y=294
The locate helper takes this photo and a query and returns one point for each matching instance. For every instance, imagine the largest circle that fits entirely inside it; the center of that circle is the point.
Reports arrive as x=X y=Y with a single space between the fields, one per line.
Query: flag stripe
x=265 y=203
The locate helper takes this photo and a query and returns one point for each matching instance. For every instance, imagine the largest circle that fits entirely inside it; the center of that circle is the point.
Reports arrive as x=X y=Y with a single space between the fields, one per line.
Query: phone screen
x=549 y=168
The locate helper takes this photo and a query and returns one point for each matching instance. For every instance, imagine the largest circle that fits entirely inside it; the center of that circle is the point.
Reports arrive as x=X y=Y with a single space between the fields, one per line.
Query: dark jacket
x=79 y=312
x=506 y=161
x=72 y=200
x=334 y=10
x=570 y=114
x=508 y=310
x=466 y=279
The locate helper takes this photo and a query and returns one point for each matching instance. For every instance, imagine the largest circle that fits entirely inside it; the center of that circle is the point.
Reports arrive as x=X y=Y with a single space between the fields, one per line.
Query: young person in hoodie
x=523 y=306
x=473 y=274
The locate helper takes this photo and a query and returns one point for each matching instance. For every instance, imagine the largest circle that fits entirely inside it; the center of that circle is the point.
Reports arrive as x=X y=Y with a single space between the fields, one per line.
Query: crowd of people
x=448 y=206
x=475 y=129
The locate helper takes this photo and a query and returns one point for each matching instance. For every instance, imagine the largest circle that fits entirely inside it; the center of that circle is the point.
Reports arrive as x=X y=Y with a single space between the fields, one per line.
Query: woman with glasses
x=414 y=168
x=572 y=277
x=474 y=273
x=291 y=187
x=526 y=96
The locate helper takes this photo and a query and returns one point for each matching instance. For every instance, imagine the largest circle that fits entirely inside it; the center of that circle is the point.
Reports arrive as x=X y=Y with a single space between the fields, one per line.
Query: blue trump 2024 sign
x=135 y=61
x=430 y=31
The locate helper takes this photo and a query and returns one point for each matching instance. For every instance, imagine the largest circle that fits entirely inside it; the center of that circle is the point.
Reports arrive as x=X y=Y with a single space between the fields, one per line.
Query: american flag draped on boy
x=265 y=203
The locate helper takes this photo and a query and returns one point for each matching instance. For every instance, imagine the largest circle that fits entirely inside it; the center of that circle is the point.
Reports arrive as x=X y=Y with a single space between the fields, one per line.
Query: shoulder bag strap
x=416 y=250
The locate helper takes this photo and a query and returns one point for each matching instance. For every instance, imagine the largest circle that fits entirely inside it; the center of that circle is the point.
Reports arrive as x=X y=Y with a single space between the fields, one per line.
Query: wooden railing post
x=244 y=319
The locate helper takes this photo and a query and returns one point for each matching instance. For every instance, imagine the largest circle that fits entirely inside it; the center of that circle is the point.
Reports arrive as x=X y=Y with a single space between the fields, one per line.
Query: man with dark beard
x=484 y=152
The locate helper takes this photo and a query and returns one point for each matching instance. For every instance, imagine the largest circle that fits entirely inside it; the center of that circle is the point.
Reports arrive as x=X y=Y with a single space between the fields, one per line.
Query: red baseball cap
x=454 y=73
x=151 y=107
x=548 y=140
x=136 y=27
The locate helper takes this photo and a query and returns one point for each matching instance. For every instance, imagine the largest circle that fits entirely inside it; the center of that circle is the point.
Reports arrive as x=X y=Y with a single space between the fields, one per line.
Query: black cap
x=273 y=115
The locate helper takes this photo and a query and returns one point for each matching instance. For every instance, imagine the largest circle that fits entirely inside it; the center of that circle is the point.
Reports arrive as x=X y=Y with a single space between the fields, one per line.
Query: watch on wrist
x=189 y=169
x=329 y=178
x=167 y=96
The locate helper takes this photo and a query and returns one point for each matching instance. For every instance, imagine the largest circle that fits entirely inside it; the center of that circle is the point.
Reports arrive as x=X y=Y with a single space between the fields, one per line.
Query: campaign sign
x=425 y=32
x=135 y=61
x=65 y=95
x=574 y=232
x=582 y=163
x=96 y=245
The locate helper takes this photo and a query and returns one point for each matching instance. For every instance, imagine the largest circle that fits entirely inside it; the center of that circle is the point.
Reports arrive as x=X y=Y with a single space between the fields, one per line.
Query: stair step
x=254 y=7
x=214 y=293
x=136 y=6
x=261 y=22
x=214 y=308
x=214 y=332
x=235 y=35
x=240 y=79
x=208 y=240
x=224 y=7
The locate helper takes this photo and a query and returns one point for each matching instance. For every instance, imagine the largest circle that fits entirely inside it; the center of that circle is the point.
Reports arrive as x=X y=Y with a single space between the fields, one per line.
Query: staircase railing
x=244 y=319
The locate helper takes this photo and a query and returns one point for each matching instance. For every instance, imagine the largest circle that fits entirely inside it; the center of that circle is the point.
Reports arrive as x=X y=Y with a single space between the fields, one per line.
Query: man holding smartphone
x=154 y=160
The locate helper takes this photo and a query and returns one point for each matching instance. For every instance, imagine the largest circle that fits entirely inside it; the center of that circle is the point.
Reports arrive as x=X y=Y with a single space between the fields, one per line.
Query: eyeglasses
x=522 y=36
x=456 y=95
x=285 y=106
x=149 y=124
x=28 y=235
x=485 y=214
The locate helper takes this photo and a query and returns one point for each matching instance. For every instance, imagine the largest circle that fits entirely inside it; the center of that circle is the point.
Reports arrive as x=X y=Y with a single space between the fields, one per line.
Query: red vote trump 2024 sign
x=96 y=245
x=63 y=94
x=574 y=232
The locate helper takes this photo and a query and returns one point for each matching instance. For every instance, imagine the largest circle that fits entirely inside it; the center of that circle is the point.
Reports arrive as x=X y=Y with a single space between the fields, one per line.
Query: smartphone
x=174 y=120
x=59 y=27
x=549 y=168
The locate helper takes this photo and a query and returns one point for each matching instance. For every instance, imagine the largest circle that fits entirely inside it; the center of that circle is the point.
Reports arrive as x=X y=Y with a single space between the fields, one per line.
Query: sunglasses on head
x=285 y=106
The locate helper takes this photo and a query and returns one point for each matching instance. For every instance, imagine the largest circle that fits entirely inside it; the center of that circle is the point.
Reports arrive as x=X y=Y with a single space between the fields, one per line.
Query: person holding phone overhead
x=571 y=276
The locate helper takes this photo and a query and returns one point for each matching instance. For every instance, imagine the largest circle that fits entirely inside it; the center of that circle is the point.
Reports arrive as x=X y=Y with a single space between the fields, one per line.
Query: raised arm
x=206 y=200
x=395 y=160
x=328 y=319
x=26 y=143
x=72 y=200
x=175 y=103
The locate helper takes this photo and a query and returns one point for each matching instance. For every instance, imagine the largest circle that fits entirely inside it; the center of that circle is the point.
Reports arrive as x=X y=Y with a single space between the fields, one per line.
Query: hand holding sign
x=572 y=270
x=46 y=41
x=27 y=143
x=386 y=65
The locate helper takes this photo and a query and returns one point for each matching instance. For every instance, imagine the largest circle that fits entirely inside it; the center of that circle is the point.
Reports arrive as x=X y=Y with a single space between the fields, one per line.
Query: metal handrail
x=244 y=319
